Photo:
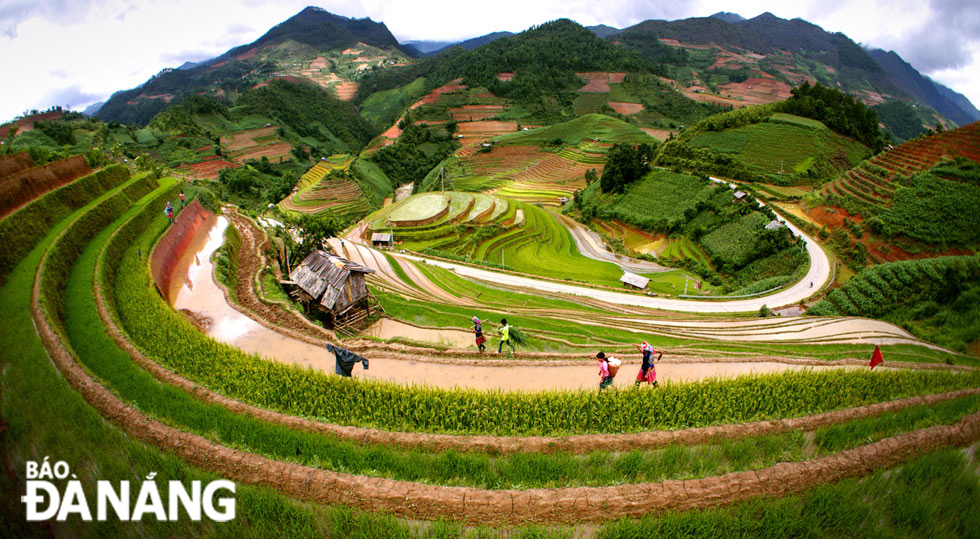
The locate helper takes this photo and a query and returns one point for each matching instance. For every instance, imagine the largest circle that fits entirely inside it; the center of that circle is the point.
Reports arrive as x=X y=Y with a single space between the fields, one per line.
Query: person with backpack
x=182 y=199
x=505 y=337
x=608 y=367
x=648 y=372
x=478 y=331
x=169 y=212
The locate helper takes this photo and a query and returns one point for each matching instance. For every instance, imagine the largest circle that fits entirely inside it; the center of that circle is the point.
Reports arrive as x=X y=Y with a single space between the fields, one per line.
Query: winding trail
x=818 y=274
x=591 y=246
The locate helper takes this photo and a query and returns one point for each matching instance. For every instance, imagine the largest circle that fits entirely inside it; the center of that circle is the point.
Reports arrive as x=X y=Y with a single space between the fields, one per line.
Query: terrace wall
x=24 y=186
x=173 y=245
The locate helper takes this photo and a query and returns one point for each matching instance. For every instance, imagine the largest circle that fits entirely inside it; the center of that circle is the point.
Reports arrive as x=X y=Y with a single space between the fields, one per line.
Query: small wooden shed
x=382 y=239
x=333 y=285
x=739 y=196
x=634 y=280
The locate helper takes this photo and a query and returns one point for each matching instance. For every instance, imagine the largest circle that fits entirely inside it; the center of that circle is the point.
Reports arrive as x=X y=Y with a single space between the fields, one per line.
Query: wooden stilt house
x=333 y=285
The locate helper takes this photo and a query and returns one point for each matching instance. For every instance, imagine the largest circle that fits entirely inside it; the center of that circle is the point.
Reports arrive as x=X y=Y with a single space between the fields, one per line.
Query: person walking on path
x=478 y=332
x=181 y=200
x=169 y=212
x=648 y=372
x=505 y=337
x=608 y=367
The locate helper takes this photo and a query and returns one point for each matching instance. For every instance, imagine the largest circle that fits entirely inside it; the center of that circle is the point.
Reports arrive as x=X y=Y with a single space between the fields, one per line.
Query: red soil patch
x=675 y=43
x=626 y=108
x=832 y=218
x=245 y=145
x=469 y=113
x=20 y=188
x=26 y=123
x=505 y=77
x=243 y=139
x=711 y=98
x=502 y=159
x=250 y=53
x=345 y=90
x=487 y=126
x=206 y=169
x=598 y=82
x=320 y=63
x=279 y=151
x=595 y=87
x=659 y=134
x=14 y=163
x=173 y=245
x=165 y=97
x=393 y=132
x=433 y=96
x=479 y=131
x=758 y=90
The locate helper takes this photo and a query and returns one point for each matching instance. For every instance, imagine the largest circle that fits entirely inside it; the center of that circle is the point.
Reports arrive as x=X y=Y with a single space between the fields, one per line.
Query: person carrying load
x=505 y=337
x=478 y=331
x=648 y=372
x=608 y=367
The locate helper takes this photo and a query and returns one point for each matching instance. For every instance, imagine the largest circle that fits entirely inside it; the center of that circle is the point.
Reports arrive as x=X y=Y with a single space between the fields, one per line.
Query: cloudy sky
x=76 y=52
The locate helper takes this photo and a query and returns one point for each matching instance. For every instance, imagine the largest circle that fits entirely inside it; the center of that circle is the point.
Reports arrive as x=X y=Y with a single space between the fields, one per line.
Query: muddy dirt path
x=781 y=329
x=250 y=262
x=201 y=295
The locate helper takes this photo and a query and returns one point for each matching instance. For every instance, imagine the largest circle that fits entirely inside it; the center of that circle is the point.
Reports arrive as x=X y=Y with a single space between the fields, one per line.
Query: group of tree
x=625 y=163
x=837 y=110
x=417 y=151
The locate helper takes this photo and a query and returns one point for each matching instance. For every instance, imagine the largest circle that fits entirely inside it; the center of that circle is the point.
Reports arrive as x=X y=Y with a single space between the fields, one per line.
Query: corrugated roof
x=381 y=236
x=635 y=280
x=739 y=194
x=774 y=224
x=320 y=270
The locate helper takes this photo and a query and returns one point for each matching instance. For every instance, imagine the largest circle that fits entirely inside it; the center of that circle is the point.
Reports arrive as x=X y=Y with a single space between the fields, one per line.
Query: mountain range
x=335 y=52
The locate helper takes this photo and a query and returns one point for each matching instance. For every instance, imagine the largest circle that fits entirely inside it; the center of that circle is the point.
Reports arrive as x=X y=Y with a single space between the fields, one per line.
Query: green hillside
x=735 y=247
x=937 y=299
x=785 y=148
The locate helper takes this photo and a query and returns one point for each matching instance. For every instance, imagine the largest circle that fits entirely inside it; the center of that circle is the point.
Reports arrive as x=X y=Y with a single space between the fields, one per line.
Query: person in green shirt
x=505 y=337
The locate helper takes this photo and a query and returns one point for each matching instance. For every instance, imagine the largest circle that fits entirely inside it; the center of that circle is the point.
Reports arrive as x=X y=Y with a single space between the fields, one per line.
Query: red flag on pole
x=876 y=357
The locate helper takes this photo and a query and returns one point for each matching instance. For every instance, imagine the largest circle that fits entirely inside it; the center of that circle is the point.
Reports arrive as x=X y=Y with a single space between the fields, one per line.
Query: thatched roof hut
x=332 y=282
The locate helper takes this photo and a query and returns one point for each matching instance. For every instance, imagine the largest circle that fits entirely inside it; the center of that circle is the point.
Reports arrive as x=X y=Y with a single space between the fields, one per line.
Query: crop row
x=537 y=470
x=20 y=229
x=164 y=334
x=879 y=289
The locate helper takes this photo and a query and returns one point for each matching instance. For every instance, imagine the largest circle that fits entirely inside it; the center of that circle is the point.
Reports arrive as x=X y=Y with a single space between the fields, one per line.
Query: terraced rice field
x=433 y=96
x=102 y=371
x=778 y=147
x=873 y=182
x=527 y=173
x=256 y=144
x=470 y=113
x=479 y=131
x=21 y=182
x=317 y=191
x=869 y=189
x=206 y=169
